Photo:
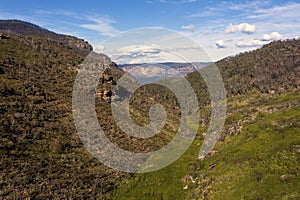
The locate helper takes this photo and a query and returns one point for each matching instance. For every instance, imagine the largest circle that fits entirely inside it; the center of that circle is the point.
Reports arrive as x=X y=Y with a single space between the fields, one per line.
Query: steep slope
x=29 y=29
x=41 y=154
x=273 y=68
x=259 y=158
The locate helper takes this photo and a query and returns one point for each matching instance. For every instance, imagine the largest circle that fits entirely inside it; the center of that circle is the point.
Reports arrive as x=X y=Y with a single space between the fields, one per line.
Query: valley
x=42 y=155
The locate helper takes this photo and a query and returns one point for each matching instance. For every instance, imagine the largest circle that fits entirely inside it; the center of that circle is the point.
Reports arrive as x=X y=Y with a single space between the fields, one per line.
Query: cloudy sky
x=221 y=28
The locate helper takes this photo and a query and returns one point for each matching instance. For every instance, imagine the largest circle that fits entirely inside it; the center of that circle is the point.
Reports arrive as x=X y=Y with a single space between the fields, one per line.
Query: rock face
x=106 y=88
x=28 y=29
x=78 y=44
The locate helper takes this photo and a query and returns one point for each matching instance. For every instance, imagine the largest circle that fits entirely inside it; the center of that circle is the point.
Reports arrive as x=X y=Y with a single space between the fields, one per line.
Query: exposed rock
x=213 y=152
x=286 y=177
x=212 y=166
x=20 y=115
x=108 y=88
x=297 y=148
x=2 y=36
x=187 y=178
x=107 y=93
x=201 y=157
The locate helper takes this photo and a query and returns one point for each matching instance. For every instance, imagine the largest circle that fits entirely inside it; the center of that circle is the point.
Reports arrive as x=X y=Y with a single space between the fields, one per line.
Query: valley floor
x=260 y=162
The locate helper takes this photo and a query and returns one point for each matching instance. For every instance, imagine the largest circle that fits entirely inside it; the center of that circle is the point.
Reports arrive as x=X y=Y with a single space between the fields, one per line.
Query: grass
x=249 y=165
x=162 y=184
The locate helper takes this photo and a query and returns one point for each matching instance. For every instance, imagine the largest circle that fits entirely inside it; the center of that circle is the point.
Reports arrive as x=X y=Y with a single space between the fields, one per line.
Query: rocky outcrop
x=106 y=89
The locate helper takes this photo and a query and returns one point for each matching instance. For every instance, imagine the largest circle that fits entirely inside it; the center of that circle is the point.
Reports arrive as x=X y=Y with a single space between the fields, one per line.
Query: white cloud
x=272 y=36
x=153 y=53
x=133 y=53
x=139 y=49
x=278 y=12
x=103 y=25
x=267 y=17
x=190 y=27
x=220 y=44
x=252 y=43
x=243 y=27
x=284 y=19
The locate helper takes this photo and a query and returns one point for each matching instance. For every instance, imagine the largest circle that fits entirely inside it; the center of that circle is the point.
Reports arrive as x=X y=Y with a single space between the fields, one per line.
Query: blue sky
x=221 y=28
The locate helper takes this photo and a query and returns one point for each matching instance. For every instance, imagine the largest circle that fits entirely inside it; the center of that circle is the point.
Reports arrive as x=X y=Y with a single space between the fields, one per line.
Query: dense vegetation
x=41 y=154
x=43 y=157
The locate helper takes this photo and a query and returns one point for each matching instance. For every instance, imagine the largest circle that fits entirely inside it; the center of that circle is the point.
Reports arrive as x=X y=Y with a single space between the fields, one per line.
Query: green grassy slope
x=261 y=162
